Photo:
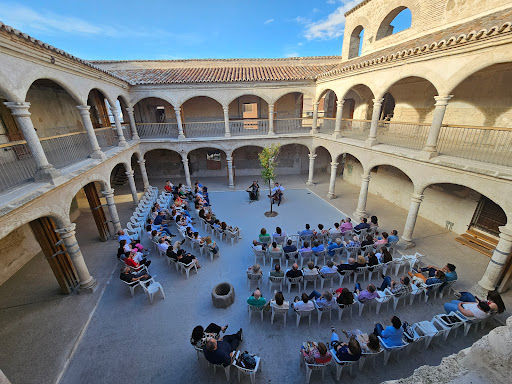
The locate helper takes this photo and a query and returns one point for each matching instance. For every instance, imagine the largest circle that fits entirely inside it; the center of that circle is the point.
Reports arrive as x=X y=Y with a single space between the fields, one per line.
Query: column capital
x=129 y=173
x=66 y=231
x=334 y=165
x=130 y=110
x=340 y=103
x=417 y=198
x=83 y=109
x=506 y=233
x=225 y=109
x=366 y=178
x=316 y=104
x=177 y=110
x=229 y=159
x=114 y=109
x=378 y=101
x=184 y=157
x=312 y=156
x=18 y=108
x=271 y=106
x=141 y=162
x=442 y=100
x=108 y=192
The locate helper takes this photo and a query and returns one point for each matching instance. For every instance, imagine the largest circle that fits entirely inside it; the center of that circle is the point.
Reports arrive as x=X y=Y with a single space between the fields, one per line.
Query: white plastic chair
x=369 y=356
x=245 y=371
x=231 y=235
x=443 y=327
x=278 y=311
x=279 y=239
x=307 y=255
x=425 y=330
x=360 y=271
x=275 y=280
x=416 y=291
x=275 y=255
x=313 y=367
x=384 y=298
x=291 y=256
x=227 y=370
x=262 y=254
x=294 y=281
x=151 y=287
x=447 y=287
x=187 y=267
x=344 y=307
x=321 y=310
x=173 y=262
x=320 y=255
x=258 y=277
x=388 y=349
x=340 y=365
x=310 y=278
x=325 y=277
x=377 y=269
x=252 y=308
x=301 y=314
x=432 y=289
x=132 y=286
x=295 y=239
x=345 y=274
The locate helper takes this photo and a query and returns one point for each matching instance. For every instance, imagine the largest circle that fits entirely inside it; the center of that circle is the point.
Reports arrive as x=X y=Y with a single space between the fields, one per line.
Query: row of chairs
x=227 y=235
x=137 y=222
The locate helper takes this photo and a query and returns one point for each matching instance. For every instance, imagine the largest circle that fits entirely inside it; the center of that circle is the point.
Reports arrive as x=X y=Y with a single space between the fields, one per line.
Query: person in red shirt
x=132 y=263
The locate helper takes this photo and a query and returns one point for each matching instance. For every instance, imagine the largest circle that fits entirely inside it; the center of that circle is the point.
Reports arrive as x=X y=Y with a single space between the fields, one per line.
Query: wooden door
x=488 y=216
x=56 y=254
x=97 y=211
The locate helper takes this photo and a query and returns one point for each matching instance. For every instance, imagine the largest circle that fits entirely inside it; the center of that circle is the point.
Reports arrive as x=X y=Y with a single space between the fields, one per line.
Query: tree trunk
x=270 y=193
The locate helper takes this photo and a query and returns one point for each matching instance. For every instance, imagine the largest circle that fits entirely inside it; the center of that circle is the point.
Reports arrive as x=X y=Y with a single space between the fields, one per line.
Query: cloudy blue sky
x=150 y=29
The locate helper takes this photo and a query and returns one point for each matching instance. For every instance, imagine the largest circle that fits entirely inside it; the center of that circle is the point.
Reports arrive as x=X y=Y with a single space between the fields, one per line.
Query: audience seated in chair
x=333 y=245
x=386 y=256
x=367 y=241
x=294 y=272
x=399 y=289
x=186 y=258
x=392 y=334
x=478 y=309
x=200 y=336
x=336 y=230
x=135 y=259
x=363 y=225
x=305 y=247
x=311 y=269
x=129 y=240
x=329 y=268
x=277 y=272
x=393 y=238
x=222 y=352
x=256 y=300
x=354 y=242
x=129 y=277
x=346 y=225
x=306 y=232
x=255 y=269
x=274 y=247
x=344 y=297
x=494 y=300
x=317 y=247
x=366 y=295
x=289 y=247
x=279 y=232
x=361 y=261
x=316 y=354
x=264 y=237
x=303 y=304
x=382 y=240
x=344 y=351
x=279 y=302
x=350 y=266
x=323 y=300
x=369 y=342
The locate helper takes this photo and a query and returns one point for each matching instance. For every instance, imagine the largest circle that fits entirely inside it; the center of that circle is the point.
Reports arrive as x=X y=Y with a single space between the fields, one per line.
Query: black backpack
x=408 y=332
x=247 y=361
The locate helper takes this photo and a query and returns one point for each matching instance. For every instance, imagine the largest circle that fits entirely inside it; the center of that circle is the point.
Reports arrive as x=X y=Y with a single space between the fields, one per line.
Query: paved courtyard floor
x=130 y=340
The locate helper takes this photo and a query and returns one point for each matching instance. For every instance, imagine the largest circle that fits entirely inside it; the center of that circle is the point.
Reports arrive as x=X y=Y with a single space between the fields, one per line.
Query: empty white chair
x=253 y=308
x=258 y=277
x=151 y=287
x=278 y=311
x=400 y=296
x=245 y=371
x=425 y=330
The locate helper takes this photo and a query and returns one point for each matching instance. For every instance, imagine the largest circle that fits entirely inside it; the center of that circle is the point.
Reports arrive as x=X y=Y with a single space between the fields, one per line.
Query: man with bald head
x=220 y=352
x=294 y=272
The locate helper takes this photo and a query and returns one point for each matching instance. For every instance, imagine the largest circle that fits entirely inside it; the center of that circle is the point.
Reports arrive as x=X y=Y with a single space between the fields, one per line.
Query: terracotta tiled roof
x=223 y=74
x=10 y=30
x=487 y=26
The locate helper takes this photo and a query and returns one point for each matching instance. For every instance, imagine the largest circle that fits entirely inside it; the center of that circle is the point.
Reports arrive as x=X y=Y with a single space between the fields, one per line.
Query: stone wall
x=487 y=361
x=202 y=108
x=442 y=203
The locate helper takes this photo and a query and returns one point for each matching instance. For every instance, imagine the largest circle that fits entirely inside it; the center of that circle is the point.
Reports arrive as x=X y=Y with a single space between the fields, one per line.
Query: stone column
x=337 y=126
x=372 y=138
x=97 y=153
x=44 y=170
x=360 y=211
x=67 y=234
x=119 y=128
x=181 y=135
x=184 y=159
x=145 y=180
x=271 y=119
x=430 y=149
x=133 y=126
x=314 y=128
x=499 y=258
x=229 y=160
x=332 y=181
x=226 y=122
x=312 y=157
x=114 y=216
x=406 y=238
x=133 y=187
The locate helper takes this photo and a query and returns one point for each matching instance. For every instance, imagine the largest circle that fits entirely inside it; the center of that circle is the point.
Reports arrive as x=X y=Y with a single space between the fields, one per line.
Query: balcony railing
x=486 y=144
x=248 y=127
x=204 y=129
x=405 y=135
x=326 y=125
x=297 y=125
x=355 y=129
x=107 y=137
x=157 y=130
x=64 y=150
x=127 y=131
x=17 y=166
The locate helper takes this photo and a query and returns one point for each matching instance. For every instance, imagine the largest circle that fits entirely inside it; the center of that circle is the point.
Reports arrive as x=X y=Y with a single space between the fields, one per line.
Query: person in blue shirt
x=317 y=247
x=393 y=238
x=307 y=231
x=392 y=334
x=333 y=245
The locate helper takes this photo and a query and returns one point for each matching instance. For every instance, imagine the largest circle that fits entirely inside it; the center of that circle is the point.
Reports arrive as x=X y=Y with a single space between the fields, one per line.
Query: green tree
x=268 y=161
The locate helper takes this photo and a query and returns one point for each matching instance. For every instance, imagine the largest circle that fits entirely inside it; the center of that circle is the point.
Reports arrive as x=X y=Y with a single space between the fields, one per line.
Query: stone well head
x=223 y=295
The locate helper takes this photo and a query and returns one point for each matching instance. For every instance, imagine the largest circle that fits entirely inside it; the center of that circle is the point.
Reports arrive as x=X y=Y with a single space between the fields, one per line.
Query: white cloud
x=291 y=54
x=332 y=26
x=268 y=21
x=315 y=10
x=331 y=1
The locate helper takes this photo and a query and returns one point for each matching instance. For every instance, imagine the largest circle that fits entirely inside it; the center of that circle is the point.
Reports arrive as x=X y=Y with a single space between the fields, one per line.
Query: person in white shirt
x=163 y=245
x=303 y=305
x=336 y=229
x=311 y=269
x=279 y=301
x=480 y=309
x=277 y=193
x=329 y=268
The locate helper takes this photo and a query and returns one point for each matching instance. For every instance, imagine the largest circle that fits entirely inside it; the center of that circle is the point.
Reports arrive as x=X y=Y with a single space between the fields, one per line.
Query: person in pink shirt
x=346 y=225
x=383 y=240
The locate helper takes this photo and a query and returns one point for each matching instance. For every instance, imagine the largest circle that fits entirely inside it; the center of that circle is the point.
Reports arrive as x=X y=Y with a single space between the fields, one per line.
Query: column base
x=484 y=284
x=359 y=215
x=406 y=243
x=181 y=137
x=331 y=196
x=89 y=286
x=370 y=142
x=123 y=144
x=336 y=135
x=271 y=133
x=231 y=186
x=135 y=137
x=426 y=154
x=47 y=173
x=98 y=155
x=309 y=183
x=313 y=131
x=227 y=134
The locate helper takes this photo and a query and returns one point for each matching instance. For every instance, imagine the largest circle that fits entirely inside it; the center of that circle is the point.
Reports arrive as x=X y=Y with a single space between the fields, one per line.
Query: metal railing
x=328 y=125
x=157 y=130
x=107 y=137
x=486 y=144
x=405 y=135
x=204 y=129
x=355 y=129
x=295 y=125
x=17 y=165
x=64 y=150
x=248 y=127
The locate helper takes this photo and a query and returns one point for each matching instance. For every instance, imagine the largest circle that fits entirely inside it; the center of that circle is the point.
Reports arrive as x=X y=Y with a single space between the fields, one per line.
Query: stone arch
x=74 y=94
x=285 y=100
x=186 y=98
x=324 y=92
x=139 y=97
x=249 y=93
x=105 y=94
x=358 y=102
x=385 y=29
x=75 y=188
x=376 y=163
x=203 y=161
x=151 y=109
x=56 y=213
x=163 y=161
x=315 y=151
x=358 y=157
x=5 y=90
x=309 y=92
x=356 y=37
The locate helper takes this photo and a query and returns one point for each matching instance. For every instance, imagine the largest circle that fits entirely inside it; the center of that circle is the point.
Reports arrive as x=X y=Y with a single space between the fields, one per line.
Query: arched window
x=396 y=21
x=356 y=42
